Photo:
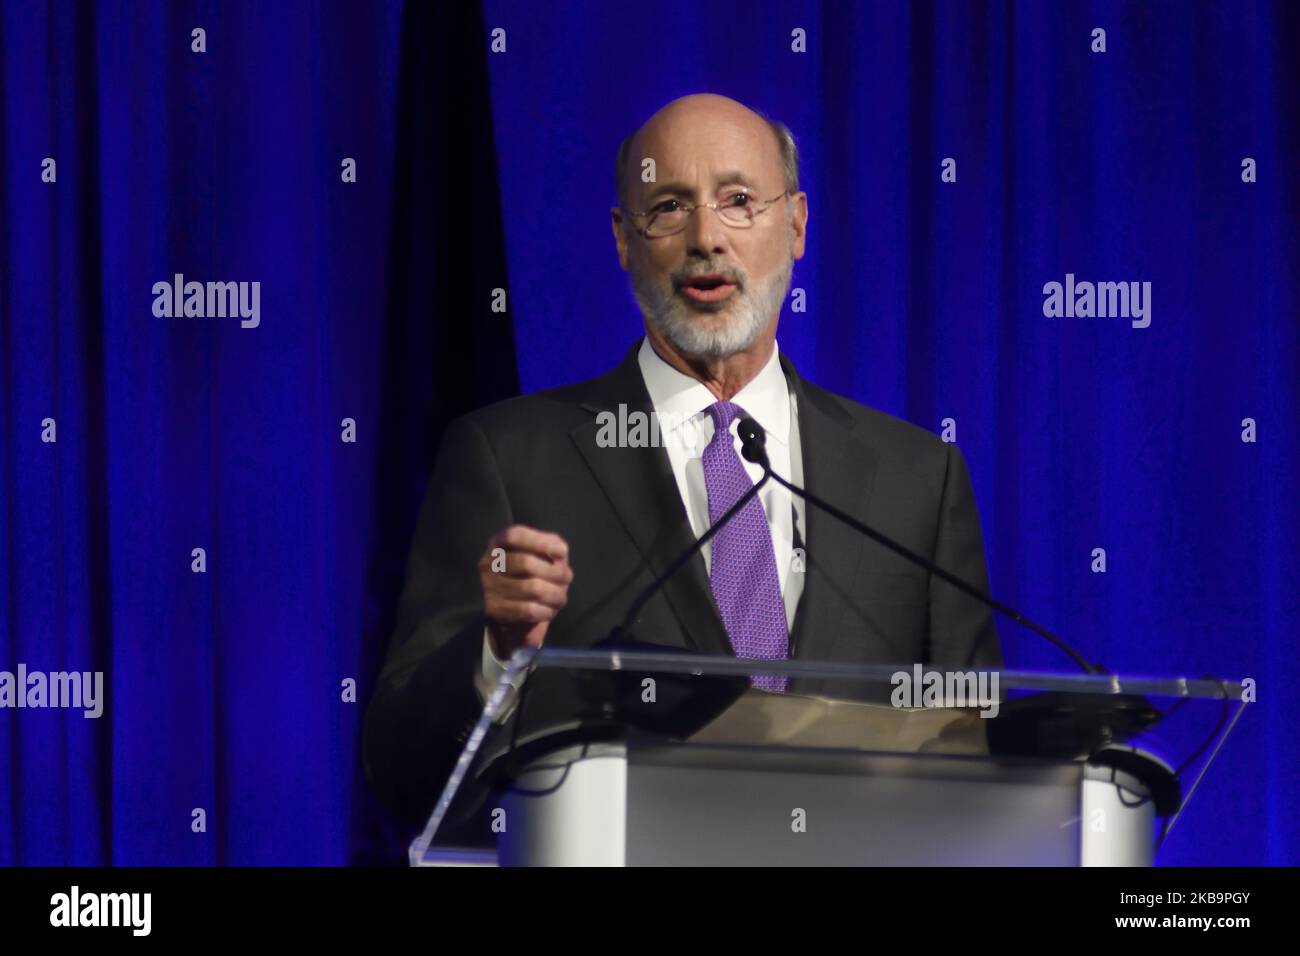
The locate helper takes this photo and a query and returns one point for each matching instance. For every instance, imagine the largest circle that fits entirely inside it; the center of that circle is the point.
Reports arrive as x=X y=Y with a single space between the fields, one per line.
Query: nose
x=705 y=234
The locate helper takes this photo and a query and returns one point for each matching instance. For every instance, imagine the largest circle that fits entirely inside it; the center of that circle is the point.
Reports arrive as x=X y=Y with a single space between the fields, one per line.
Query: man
x=540 y=526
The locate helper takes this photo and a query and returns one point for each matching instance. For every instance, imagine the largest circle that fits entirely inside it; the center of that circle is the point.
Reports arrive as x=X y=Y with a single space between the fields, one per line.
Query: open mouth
x=708 y=288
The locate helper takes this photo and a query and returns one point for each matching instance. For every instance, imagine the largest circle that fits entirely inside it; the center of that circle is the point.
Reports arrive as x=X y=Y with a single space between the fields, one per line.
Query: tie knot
x=724 y=413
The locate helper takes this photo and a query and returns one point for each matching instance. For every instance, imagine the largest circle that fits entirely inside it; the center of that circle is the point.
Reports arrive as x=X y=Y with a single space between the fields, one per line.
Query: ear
x=799 y=223
x=617 y=223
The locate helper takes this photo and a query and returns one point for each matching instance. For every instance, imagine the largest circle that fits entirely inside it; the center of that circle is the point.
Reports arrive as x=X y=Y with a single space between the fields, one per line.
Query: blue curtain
x=925 y=298
x=226 y=688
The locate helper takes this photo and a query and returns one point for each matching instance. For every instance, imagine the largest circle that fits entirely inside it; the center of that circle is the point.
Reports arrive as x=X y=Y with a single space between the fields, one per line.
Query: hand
x=525 y=583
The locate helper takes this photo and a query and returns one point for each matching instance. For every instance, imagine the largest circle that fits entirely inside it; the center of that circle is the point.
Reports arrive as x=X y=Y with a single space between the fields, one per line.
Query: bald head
x=709 y=264
x=690 y=118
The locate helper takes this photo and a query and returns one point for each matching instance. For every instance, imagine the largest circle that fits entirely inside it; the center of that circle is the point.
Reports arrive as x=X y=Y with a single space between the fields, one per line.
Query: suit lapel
x=641 y=489
x=839 y=468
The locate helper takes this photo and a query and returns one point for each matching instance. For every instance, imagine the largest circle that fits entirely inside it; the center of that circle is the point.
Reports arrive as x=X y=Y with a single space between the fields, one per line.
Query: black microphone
x=754 y=448
x=753 y=444
x=621 y=632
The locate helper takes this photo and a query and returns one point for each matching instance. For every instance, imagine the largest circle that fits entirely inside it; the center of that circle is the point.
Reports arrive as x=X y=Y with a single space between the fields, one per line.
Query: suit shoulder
x=885 y=432
x=550 y=409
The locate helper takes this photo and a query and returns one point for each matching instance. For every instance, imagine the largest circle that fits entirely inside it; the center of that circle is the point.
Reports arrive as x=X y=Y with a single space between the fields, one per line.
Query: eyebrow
x=731 y=178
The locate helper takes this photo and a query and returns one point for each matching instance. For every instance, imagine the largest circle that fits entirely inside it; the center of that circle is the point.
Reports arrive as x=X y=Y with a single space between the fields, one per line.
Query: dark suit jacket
x=534 y=460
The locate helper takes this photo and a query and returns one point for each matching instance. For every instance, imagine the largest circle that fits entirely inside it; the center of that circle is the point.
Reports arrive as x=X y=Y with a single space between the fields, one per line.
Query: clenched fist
x=525 y=576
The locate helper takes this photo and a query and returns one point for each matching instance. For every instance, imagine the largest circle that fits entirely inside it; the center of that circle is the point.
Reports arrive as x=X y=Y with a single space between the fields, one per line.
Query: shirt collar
x=678 y=397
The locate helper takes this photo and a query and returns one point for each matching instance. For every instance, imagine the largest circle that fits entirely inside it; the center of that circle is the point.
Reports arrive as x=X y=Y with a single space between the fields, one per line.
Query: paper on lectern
x=761 y=717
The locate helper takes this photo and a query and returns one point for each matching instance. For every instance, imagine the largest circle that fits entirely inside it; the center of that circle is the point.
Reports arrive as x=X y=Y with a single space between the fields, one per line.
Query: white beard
x=714 y=334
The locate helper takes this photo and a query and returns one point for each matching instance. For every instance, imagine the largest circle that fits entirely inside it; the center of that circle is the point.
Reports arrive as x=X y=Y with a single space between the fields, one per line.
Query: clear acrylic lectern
x=632 y=757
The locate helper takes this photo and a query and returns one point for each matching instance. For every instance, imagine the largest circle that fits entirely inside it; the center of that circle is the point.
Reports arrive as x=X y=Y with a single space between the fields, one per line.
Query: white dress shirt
x=685 y=429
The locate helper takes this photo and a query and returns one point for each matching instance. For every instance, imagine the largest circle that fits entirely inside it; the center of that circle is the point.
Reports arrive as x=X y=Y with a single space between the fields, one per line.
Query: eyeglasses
x=669 y=217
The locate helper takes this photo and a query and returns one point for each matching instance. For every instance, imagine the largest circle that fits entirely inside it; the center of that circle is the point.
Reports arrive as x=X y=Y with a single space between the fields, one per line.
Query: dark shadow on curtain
x=445 y=351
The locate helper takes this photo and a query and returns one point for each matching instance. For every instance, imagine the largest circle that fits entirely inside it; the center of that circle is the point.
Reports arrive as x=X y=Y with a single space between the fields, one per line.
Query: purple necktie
x=742 y=571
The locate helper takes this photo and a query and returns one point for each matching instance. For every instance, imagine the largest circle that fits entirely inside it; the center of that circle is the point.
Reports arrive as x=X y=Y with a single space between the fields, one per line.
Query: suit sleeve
x=962 y=634
x=425 y=701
